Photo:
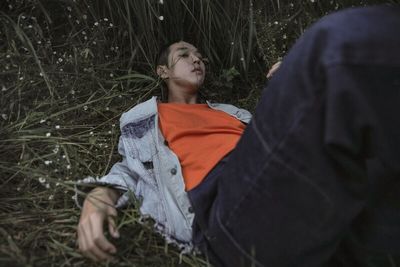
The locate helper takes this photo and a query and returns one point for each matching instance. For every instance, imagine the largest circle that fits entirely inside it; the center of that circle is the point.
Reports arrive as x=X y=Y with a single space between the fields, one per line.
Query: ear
x=162 y=71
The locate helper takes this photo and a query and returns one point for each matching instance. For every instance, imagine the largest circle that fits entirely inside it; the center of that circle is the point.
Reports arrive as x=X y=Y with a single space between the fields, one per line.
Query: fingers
x=100 y=241
x=91 y=240
x=273 y=69
x=88 y=248
x=112 y=228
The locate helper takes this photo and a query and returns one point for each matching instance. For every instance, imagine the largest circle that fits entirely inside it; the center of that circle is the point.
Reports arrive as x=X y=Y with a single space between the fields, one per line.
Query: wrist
x=102 y=191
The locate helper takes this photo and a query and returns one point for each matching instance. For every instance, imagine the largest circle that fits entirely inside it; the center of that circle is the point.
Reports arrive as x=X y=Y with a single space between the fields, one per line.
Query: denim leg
x=300 y=188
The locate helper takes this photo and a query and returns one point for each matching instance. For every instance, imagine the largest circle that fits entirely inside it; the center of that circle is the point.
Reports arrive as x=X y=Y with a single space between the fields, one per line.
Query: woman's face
x=185 y=67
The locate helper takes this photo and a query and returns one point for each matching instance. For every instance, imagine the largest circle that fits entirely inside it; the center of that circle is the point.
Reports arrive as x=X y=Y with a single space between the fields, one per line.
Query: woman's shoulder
x=140 y=111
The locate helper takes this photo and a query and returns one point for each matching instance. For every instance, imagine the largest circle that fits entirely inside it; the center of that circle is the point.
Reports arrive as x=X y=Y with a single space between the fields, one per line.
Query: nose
x=195 y=59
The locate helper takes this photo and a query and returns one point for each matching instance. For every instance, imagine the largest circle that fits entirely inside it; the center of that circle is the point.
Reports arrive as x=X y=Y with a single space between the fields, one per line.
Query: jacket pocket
x=140 y=138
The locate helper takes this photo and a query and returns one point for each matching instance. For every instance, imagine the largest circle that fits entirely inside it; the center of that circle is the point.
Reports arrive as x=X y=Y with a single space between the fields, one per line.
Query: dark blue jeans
x=315 y=179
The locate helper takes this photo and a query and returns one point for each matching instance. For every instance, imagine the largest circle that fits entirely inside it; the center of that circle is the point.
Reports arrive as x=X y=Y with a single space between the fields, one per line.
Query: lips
x=198 y=70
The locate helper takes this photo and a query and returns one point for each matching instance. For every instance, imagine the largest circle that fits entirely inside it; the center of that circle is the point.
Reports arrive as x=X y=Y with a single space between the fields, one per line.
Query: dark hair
x=163 y=53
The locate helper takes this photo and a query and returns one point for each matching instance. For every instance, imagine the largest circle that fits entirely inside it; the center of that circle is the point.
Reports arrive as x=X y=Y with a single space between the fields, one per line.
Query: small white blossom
x=41 y=74
x=57 y=126
x=91 y=133
x=111 y=75
x=30 y=26
x=47 y=185
x=96 y=24
x=68 y=167
x=48 y=134
x=241 y=59
x=84 y=17
x=85 y=107
x=42 y=180
x=51 y=197
x=105 y=19
x=161 y=2
x=161 y=18
x=48 y=162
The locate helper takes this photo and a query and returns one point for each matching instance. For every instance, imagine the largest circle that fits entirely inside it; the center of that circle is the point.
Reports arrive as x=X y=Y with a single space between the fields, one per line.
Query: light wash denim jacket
x=152 y=172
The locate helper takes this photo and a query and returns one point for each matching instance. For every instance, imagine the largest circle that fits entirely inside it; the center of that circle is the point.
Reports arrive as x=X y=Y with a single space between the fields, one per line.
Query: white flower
x=85 y=107
x=48 y=134
x=47 y=185
x=51 y=197
x=57 y=126
x=111 y=24
x=161 y=2
x=96 y=24
x=68 y=167
x=42 y=121
x=105 y=19
x=241 y=59
x=91 y=133
x=161 y=18
x=48 y=162
x=42 y=180
x=84 y=17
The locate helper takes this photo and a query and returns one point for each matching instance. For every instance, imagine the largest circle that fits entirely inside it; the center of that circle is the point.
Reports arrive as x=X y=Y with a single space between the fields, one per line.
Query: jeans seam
x=272 y=156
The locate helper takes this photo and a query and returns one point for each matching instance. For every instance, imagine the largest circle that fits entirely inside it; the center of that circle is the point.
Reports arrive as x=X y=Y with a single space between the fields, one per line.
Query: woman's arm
x=98 y=207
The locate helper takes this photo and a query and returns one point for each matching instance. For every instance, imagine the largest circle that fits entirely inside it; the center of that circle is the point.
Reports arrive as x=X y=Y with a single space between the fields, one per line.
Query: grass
x=69 y=69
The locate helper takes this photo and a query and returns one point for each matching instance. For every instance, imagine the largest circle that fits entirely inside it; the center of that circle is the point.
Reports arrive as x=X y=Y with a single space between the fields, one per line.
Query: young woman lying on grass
x=312 y=180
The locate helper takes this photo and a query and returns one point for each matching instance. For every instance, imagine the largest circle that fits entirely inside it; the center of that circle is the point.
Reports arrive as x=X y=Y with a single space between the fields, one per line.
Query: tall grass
x=68 y=69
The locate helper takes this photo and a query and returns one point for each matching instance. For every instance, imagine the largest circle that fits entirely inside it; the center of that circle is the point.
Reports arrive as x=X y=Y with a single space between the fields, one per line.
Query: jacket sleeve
x=120 y=178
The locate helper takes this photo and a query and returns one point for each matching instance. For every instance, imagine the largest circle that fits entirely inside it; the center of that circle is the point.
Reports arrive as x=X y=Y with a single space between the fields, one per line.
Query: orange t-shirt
x=199 y=136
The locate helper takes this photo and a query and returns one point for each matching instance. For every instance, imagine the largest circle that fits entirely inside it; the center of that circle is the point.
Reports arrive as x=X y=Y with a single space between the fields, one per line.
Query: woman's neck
x=182 y=98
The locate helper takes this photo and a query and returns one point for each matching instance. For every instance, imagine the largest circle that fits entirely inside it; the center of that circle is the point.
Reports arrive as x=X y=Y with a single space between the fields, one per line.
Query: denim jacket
x=152 y=172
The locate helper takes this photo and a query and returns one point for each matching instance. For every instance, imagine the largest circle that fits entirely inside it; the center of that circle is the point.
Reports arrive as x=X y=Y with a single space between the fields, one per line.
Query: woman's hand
x=97 y=208
x=273 y=69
